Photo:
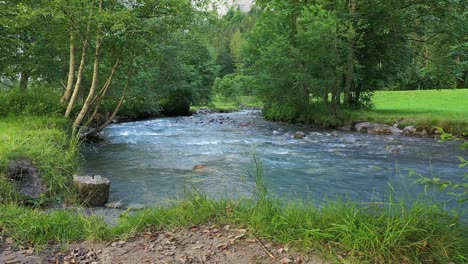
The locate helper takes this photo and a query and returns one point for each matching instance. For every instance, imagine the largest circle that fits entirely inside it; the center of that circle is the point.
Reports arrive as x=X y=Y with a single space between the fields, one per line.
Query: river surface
x=150 y=162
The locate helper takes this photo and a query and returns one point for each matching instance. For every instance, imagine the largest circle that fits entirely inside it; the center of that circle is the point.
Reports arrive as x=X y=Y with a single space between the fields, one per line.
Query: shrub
x=39 y=100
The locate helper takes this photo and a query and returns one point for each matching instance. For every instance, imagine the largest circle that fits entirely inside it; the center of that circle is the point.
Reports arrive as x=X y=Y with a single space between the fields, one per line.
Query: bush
x=36 y=101
x=233 y=85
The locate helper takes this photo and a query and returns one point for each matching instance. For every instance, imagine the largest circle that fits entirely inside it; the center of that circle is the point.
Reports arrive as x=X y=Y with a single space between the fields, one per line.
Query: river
x=150 y=162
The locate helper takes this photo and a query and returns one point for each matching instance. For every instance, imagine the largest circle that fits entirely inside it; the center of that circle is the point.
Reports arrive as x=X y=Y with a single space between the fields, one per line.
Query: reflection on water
x=151 y=161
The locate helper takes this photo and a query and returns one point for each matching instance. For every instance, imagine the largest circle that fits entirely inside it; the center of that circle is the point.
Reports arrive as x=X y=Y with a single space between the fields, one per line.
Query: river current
x=151 y=162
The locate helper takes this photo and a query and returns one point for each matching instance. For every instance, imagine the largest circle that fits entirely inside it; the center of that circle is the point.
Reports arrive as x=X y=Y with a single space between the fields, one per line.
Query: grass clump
x=344 y=231
x=339 y=230
x=40 y=228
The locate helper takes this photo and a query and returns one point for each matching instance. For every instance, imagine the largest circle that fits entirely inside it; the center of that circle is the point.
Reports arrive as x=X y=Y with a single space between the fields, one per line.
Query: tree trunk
x=79 y=78
x=116 y=110
x=98 y=98
x=95 y=79
x=24 y=80
x=350 y=58
x=461 y=83
x=71 y=71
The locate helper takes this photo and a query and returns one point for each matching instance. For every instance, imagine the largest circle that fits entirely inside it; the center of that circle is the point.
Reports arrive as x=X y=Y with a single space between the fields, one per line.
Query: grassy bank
x=425 y=108
x=340 y=231
x=42 y=140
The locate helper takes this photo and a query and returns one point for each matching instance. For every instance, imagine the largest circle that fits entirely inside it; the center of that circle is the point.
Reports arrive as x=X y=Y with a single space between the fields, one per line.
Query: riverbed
x=152 y=162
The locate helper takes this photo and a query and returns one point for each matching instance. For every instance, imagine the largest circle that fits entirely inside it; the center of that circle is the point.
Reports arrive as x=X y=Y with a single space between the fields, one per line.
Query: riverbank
x=422 y=109
x=336 y=231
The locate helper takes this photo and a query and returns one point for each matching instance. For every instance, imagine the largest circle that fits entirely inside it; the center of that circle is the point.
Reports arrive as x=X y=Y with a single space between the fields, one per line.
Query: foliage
x=38 y=100
x=233 y=85
x=30 y=45
x=335 y=54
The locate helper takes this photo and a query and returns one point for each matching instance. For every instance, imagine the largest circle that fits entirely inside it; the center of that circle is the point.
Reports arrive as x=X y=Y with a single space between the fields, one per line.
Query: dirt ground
x=199 y=244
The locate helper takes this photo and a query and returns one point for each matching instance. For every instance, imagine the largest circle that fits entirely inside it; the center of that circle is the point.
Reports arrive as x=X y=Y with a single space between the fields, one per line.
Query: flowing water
x=151 y=161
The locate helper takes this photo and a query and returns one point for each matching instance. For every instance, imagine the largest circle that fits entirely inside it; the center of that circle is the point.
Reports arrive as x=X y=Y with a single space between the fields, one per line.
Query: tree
x=30 y=48
x=116 y=32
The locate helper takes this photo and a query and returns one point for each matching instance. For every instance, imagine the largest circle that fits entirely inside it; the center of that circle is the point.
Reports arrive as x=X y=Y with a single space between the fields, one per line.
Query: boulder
x=299 y=135
x=376 y=129
x=362 y=127
x=409 y=131
x=92 y=135
x=26 y=178
x=422 y=133
x=92 y=190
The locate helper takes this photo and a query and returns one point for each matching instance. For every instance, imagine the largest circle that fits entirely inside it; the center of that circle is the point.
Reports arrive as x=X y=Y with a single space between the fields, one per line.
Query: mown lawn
x=441 y=104
x=427 y=108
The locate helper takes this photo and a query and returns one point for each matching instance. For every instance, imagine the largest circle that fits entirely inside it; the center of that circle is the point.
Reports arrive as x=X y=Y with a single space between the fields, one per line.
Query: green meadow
x=427 y=108
x=436 y=104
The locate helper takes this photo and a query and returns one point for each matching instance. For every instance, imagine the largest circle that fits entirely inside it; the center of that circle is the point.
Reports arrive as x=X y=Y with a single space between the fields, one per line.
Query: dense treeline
x=299 y=57
x=302 y=53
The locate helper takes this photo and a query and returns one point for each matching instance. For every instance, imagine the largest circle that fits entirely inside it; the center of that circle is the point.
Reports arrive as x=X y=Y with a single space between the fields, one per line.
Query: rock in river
x=299 y=135
x=92 y=190
x=376 y=129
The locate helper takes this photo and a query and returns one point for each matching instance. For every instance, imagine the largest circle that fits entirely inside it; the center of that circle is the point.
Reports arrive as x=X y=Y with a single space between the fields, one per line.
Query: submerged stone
x=114 y=205
x=299 y=135
x=199 y=167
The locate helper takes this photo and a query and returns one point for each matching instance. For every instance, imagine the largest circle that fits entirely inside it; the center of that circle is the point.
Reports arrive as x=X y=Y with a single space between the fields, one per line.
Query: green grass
x=446 y=108
x=44 y=141
x=373 y=234
x=39 y=228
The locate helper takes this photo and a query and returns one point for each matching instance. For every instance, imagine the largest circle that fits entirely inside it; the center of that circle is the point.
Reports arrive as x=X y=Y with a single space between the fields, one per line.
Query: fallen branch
x=264 y=248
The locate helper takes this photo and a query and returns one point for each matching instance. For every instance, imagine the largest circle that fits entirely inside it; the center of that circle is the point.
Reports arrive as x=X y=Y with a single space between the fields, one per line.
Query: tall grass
x=40 y=228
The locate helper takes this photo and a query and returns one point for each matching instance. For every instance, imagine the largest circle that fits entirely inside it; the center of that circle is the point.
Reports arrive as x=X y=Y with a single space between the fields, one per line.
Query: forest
x=147 y=58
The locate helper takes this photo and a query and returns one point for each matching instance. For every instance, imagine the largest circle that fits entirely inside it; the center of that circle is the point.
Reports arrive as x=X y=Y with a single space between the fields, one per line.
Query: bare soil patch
x=199 y=244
